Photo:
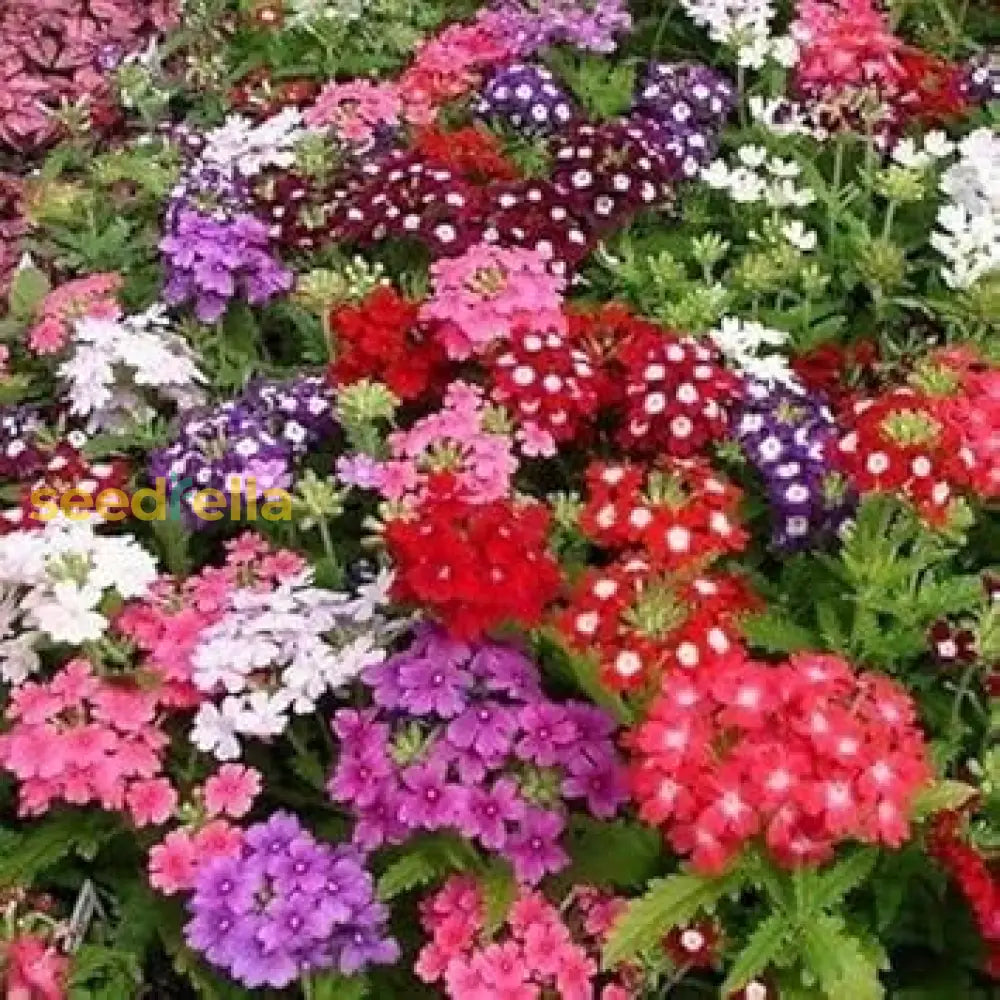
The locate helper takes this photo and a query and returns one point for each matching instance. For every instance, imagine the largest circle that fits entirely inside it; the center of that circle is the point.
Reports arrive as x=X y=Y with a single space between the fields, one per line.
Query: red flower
x=475 y=155
x=680 y=514
x=475 y=566
x=906 y=443
x=928 y=88
x=974 y=879
x=550 y=383
x=639 y=622
x=800 y=756
x=678 y=395
x=381 y=339
x=33 y=970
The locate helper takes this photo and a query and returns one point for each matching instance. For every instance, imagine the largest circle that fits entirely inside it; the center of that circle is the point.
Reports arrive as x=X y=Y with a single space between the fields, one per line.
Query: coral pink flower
x=356 y=110
x=173 y=863
x=231 y=790
x=152 y=802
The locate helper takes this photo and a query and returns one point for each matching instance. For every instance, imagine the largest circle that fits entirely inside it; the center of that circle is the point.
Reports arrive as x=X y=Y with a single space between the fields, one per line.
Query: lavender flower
x=586 y=24
x=788 y=437
x=464 y=739
x=526 y=97
x=287 y=906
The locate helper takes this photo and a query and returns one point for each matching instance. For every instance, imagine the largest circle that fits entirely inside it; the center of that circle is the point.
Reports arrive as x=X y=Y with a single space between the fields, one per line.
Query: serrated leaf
x=762 y=948
x=40 y=846
x=942 y=796
x=838 y=961
x=775 y=632
x=499 y=889
x=424 y=862
x=833 y=885
x=668 y=903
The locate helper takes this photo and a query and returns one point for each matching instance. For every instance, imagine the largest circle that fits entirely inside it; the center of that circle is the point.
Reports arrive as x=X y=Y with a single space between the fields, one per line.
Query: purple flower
x=489 y=811
x=432 y=687
x=487 y=729
x=547 y=732
x=286 y=906
x=379 y=823
x=534 y=847
x=429 y=801
x=602 y=785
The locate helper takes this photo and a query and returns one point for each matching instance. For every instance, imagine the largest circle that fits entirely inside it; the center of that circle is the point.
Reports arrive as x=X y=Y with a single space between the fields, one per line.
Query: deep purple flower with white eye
x=285 y=907
x=981 y=82
x=681 y=94
x=788 y=437
x=526 y=97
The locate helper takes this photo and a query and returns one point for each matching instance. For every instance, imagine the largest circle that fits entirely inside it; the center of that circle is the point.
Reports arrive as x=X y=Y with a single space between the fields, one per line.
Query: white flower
x=716 y=175
x=57 y=578
x=801 y=238
x=969 y=222
x=248 y=149
x=752 y=156
x=214 y=730
x=263 y=715
x=124 y=370
x=748 y=346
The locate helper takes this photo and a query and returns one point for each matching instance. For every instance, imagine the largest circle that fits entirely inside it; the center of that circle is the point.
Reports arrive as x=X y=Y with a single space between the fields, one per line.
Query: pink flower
x=34 y=970
x=173 y=864
x=356 y=110
x=151 y=802
x=218 y=839
x=481 y=295
x=90 y=296
x=231 y=790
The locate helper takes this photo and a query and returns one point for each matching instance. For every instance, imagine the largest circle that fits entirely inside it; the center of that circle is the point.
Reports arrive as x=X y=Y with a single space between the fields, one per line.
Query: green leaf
x=617 y=854
x=24 y=855
x=499 y=892
x=833 y=885
x=762 y=948
x=838 y=961
x=668 y=903
x=942 y=796
x=100 y=973
x=775 y=632
x=28 y=287
x=334 y=987
x=425 y=862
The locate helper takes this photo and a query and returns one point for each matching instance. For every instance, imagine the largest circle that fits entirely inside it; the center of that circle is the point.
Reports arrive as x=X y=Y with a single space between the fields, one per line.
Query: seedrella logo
x=170 y=499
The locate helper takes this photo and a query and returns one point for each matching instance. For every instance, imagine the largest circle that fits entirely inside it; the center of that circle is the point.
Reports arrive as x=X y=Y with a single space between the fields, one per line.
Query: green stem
x=890 y=214
x=833 y=195
x=964 y=684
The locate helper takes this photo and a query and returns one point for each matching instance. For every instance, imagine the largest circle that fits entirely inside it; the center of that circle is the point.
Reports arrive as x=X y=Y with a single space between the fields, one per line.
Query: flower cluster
x=537 y=25
x=474 y=566
x=539 y=948
x=91 y=297
x=639 y=622
x=256 y=436
x=791 y=439
x=287 y=905
x=382 y=337
x=463 y=738
x=526 y=97
x=54 y=583
x=802 y=755
x=480 y=296
x=79 y=739
x=118 y=368
x=907 y=443
x=272 y=654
